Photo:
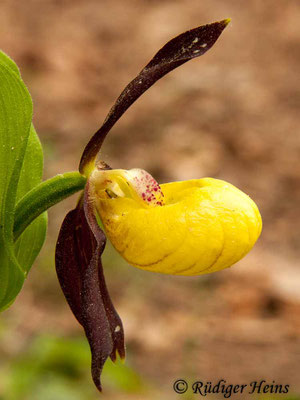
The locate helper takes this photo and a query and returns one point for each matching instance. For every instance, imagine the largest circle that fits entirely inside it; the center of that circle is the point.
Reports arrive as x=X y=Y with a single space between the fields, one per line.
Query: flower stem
x=44 y=196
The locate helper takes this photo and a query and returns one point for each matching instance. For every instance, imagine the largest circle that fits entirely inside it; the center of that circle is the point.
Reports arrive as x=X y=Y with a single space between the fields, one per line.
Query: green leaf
x=45 y=195
x=8 y=62
x=21 y=164
x=31 y=241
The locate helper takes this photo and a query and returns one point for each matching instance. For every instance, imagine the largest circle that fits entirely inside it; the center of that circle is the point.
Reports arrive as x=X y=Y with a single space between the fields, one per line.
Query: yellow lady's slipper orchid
x=184 y=228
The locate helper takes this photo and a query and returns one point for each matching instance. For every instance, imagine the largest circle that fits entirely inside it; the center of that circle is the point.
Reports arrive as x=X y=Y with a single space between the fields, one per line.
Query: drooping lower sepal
x=80 y=273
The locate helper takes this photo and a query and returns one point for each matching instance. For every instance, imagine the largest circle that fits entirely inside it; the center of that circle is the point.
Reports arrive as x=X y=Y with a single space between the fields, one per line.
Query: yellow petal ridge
x=202 y=226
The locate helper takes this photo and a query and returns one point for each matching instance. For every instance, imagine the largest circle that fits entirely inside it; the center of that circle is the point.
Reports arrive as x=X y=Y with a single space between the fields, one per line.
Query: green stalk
x=44 y=196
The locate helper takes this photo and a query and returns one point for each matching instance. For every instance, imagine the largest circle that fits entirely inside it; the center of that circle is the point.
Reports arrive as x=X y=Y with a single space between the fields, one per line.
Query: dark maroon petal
x=80 y=273
x=176 y=52
x=115 y=323
x=74 y=249
x=94 y=318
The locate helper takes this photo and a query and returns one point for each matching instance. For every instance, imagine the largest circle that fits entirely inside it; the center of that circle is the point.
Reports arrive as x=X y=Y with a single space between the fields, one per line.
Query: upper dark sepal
x=176 y=52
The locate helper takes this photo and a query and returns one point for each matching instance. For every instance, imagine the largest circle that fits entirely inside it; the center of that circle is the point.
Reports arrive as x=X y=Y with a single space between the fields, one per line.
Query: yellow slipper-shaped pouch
x=184 y=228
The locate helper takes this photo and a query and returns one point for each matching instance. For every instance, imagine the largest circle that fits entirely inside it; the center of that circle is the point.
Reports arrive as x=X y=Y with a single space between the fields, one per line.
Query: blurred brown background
x=232 y=114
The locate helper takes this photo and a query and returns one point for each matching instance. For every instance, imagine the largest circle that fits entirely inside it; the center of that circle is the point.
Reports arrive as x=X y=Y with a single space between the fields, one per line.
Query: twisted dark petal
x=94 y=318
x=176 y=52
x=80 y=273
x=115 y=323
